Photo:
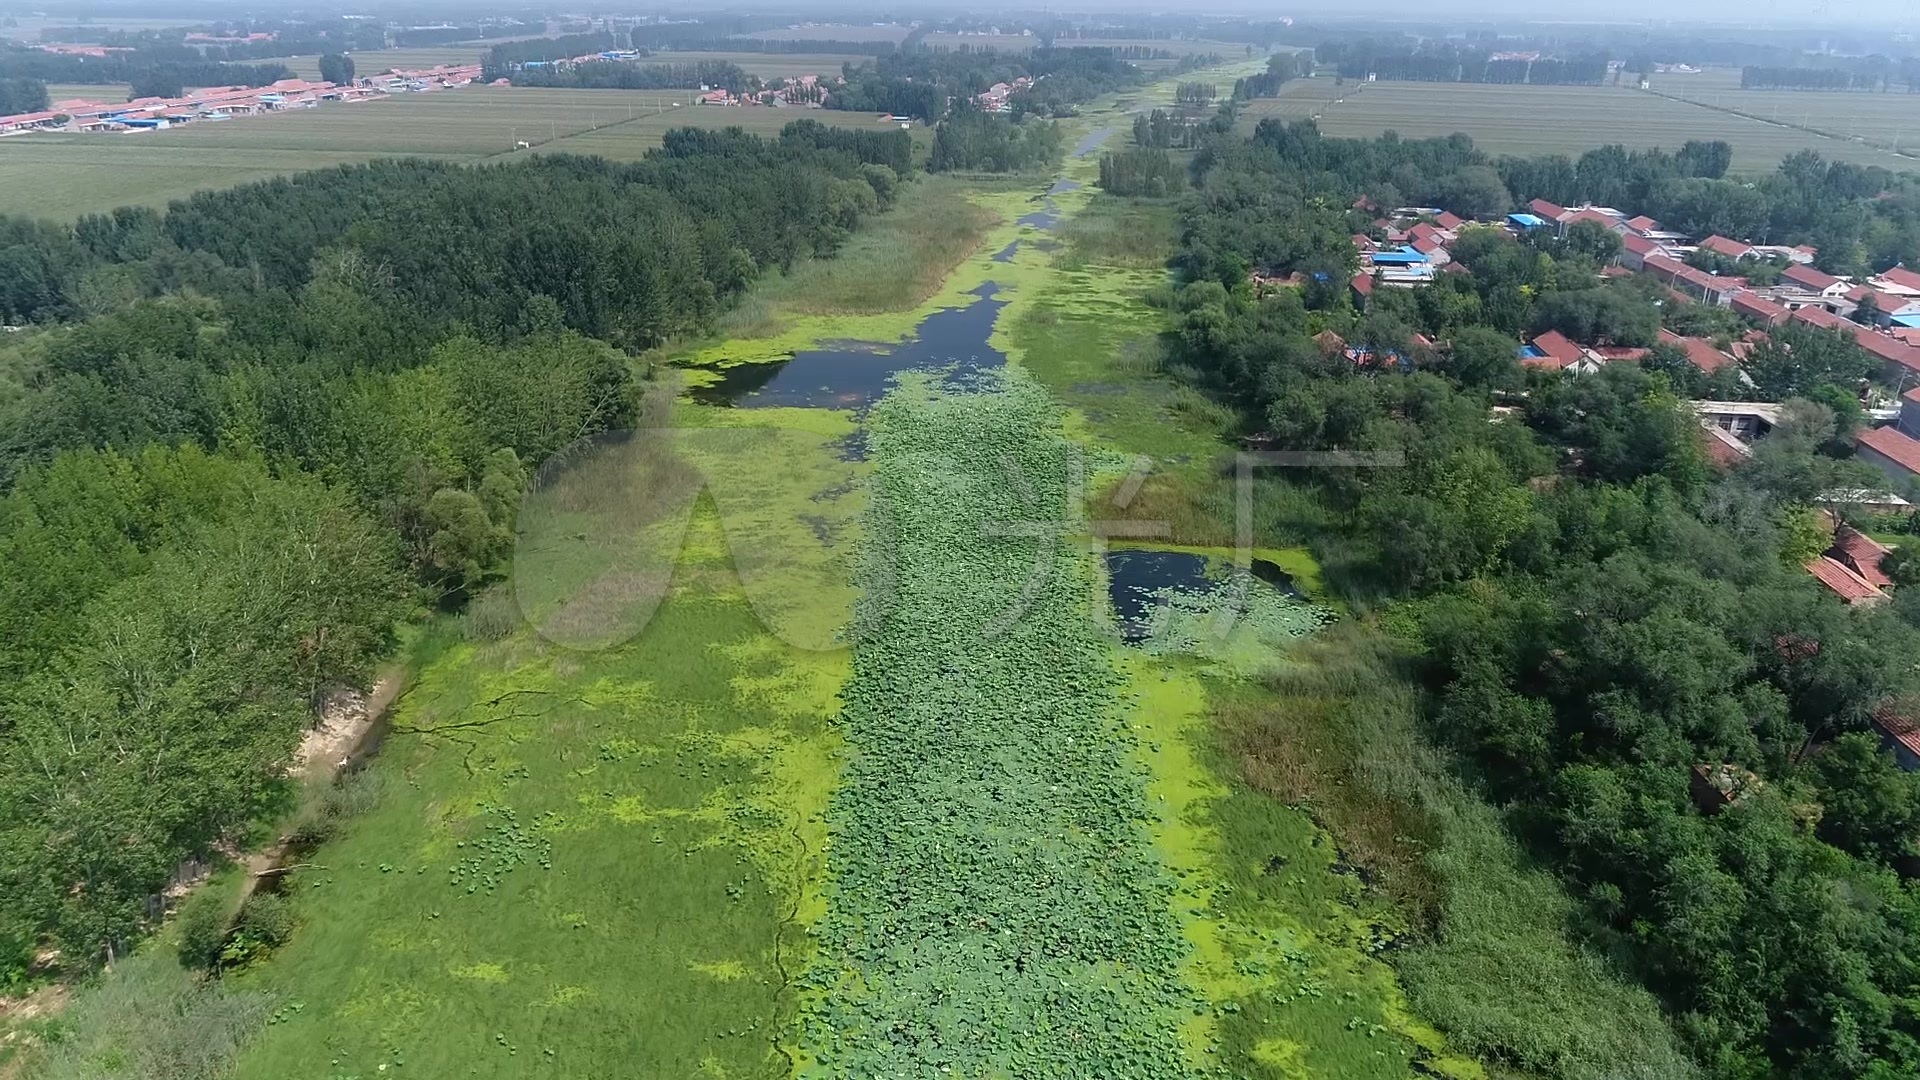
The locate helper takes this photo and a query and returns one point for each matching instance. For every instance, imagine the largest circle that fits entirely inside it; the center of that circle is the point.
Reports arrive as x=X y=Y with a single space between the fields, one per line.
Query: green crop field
x=88 y=91
x=1549 y=119
x=1886 y=121
x=63 y=175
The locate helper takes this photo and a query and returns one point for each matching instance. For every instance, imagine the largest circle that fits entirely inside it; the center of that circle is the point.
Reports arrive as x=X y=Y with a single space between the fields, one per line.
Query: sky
x=1893 y=14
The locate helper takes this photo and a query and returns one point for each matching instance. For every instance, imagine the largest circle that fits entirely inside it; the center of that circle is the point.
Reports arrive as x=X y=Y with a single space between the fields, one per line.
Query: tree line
x=147 y=67
x=267 y=423
x=22 y=96
x=1450 y=63
x=1281 y=69
x=622 y=75
x=1592 y=611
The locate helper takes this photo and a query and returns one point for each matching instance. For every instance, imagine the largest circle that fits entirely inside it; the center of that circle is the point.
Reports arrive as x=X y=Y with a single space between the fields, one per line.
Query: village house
x=1732 y=249
x=1759 y=309
x=1890 y=450
x=1899 y=731
x=1554 y=351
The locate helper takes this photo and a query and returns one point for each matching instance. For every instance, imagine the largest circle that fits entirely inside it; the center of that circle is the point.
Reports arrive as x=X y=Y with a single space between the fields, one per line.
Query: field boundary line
x=1808 y=128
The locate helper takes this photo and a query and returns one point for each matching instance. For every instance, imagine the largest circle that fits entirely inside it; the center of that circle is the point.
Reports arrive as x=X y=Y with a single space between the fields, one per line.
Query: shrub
x=202 y=922
x=491 y=615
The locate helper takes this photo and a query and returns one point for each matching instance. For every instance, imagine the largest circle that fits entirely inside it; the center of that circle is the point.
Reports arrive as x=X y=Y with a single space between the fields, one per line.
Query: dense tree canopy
x=1597 y=609
x=266 y=424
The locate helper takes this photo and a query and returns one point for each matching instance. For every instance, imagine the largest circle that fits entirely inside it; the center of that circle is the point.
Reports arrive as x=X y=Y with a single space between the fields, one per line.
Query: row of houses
x=152 y=113
x=228 y=102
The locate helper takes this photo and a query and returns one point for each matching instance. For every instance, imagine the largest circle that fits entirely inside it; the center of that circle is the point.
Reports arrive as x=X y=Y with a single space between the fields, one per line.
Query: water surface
x=855 y=374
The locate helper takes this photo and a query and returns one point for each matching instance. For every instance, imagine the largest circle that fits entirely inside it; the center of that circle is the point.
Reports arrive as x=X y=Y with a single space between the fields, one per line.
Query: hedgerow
x=996 y=908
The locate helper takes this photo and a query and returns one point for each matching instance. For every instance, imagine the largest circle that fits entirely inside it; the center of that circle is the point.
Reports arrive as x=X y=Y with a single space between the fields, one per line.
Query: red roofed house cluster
x=227 y=102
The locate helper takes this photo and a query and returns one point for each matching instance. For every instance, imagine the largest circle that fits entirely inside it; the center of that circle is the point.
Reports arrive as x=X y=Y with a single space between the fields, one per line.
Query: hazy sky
x=1894 y=15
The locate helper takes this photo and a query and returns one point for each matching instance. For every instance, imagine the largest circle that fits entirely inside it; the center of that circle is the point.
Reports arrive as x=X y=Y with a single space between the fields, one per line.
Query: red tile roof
x=1893 y=445
x=1820 y=317
x=1902 y=277
x=1806 y=276
x=1591 y=214
x=1427 y=245
x=1885 y=301
x=1638 y=244
x=1363 y=284
x=1895 y=723
x=1732 y=249
x=1559 y=349
x=1547 y=210
x=1888 y=348
x=1666 y=267
x=1862 y=554
x=1759 y=307
x=1423 y=231
x=1450 y=220
x=1641 y=224
x=1700 y=352
x=1844 y=583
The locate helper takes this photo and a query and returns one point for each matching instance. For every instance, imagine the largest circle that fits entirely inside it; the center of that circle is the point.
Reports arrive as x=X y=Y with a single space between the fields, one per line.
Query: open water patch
x=1153 y=591
x=1007 y=253
x=1093 y=140
x=1045 y=218
x=854 y=374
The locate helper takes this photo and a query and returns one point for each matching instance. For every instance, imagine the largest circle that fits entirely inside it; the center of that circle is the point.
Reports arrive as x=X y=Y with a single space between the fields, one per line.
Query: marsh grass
x=893 y=263
x=1137 y=234
x=1492 y=963
x=148 y=1019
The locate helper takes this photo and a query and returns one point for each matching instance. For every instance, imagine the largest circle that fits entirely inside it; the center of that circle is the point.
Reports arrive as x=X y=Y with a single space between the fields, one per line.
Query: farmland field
x=1548 y=119
x=64 y=175
x=28 y=27
x=1884 y=120
x=88 y=91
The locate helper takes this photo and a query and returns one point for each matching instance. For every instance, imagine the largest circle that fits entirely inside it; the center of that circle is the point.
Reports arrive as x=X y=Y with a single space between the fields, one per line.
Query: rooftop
x=1893 y=445
x=1843 y=582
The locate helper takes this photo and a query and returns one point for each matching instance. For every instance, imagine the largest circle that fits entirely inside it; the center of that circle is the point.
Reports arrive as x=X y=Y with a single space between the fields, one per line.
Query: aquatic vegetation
x=995 y=907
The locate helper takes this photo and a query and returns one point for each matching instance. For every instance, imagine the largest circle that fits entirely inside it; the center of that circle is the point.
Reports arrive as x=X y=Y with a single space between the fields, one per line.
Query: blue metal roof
x=1404 y=256
x=1527 y=221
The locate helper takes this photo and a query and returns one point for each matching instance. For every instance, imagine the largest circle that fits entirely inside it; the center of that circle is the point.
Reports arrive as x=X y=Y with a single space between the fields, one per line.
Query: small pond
x=855 y=374
x=1136 y=581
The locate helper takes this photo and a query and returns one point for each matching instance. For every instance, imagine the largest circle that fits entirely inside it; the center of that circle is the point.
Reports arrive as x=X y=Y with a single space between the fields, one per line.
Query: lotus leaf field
x=996 y=909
